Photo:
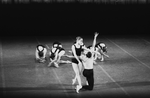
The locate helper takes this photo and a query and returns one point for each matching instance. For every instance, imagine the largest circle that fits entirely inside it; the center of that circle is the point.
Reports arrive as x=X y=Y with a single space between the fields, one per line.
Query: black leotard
x=40 y=53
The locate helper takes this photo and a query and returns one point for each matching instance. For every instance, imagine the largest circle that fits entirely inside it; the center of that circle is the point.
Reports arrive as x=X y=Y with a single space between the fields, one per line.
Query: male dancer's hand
x=96 y=34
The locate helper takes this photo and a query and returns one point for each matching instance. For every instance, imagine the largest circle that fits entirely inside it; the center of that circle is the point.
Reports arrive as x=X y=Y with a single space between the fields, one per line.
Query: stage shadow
x=40 y=87
x=121 y=84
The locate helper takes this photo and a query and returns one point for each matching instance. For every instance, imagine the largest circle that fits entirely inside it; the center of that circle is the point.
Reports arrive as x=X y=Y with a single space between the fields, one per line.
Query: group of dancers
x=55 y=53
x=82 y=59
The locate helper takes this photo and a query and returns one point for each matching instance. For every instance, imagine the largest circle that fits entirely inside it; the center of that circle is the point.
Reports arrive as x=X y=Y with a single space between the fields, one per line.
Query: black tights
x=88 y=73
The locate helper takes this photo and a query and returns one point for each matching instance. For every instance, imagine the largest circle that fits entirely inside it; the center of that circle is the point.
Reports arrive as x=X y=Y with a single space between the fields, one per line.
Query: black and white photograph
x=75 y=48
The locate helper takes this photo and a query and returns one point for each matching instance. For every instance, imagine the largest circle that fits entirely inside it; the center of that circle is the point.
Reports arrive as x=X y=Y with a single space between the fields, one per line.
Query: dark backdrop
x=45 y=19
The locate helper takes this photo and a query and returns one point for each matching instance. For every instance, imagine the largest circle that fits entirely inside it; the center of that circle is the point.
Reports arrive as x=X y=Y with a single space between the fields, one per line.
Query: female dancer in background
x=102 y=49
x=57 y=51
x=40 y=53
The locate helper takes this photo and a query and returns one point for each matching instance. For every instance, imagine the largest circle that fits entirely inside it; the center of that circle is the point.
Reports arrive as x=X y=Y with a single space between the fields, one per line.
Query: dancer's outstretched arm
x=94 y=41
x=104 y=54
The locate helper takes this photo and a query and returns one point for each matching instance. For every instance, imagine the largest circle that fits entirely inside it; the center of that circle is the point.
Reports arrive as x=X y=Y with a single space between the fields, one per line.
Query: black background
x=46 y=19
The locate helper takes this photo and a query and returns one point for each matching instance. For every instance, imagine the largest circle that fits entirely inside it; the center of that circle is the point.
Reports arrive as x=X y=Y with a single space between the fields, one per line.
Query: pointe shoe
x=49 y=64
x=73 y=81
x=78 y=88
x=87 y=83
x=102 y=59
x=56 y=65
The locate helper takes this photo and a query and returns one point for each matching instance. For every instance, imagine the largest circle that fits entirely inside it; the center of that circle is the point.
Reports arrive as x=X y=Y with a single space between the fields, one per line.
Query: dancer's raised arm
x=94 y=41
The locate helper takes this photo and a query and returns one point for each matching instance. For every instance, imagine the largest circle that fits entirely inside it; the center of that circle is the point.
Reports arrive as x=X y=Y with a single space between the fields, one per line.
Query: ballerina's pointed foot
x=78 y=88
x=73 y=81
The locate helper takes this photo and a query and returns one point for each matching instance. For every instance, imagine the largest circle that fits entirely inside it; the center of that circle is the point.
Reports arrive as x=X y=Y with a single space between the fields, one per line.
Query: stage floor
x=125 y=74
